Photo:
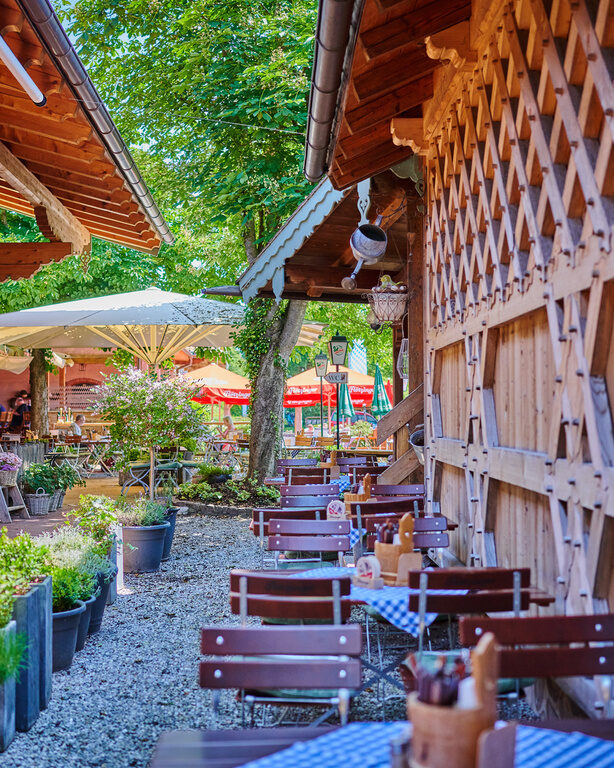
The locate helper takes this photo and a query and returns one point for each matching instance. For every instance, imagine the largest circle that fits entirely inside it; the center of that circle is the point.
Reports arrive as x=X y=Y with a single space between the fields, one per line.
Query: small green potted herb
x=71 y=587
x=144 y=527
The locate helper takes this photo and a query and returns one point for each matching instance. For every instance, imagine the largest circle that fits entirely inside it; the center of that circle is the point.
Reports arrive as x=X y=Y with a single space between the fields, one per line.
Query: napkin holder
x=397 y=560
x=367 y=573
x=447 y=737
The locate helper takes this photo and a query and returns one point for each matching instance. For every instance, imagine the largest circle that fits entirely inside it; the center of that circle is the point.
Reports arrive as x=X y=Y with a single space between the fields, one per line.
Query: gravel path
x=138 y=676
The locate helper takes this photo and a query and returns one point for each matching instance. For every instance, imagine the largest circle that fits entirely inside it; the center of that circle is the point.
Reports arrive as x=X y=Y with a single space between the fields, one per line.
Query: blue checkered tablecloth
x=390 y=602
x=356 y=535
x=358 y=745
x=543 y=748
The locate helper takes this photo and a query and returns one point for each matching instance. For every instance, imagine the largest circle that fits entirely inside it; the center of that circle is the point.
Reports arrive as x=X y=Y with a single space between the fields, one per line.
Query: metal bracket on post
x=364 y=200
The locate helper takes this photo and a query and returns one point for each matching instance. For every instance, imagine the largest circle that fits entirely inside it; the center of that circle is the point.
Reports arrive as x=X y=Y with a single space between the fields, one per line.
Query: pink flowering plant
x=150 y=412
x=10 y=462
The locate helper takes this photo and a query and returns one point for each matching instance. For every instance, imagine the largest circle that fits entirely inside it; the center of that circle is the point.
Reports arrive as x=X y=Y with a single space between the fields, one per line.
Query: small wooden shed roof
x=70 y=144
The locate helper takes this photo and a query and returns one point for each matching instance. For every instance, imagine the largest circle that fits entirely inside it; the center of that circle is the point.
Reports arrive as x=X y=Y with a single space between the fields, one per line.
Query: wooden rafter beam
x=62 y=223
x=368 y=168
x=414 y=25
x=18 y=260
x=390 y=104
x=409 y=63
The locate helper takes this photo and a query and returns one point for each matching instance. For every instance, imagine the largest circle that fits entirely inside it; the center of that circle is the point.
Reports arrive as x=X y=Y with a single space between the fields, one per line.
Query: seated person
x=2 y=408
x=20 y=407
x=228 y=430
x=77 y=425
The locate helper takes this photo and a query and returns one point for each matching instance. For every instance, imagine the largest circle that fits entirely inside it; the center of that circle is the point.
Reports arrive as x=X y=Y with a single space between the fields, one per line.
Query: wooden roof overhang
x=390 y=63
x=64 y=163
x=310 y=255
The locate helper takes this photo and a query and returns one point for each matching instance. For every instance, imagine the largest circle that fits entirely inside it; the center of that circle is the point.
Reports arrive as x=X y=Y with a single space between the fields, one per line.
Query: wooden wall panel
x=523 y=386
x=519 y=295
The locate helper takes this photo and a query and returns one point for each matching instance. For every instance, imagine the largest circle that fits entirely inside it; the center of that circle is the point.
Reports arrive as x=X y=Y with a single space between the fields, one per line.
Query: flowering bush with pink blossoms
x=9 y=462
x=150 y=412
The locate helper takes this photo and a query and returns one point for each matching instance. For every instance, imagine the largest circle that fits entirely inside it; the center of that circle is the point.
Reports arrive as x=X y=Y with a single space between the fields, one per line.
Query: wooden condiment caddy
x=397 y=560
x=447 y=737
x=353 y=497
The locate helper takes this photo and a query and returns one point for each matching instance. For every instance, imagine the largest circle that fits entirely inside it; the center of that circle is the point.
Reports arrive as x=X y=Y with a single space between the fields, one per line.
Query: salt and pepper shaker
x=399 y=749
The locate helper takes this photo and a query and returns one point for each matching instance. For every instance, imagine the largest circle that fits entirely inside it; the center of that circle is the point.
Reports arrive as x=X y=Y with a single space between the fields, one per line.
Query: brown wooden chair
x=297 y=538
x=283 y=463
x=317 y=495
x=306 y=475
x=547 y=646
x=429 y=532
x=262 y=515
x=359 y=472
x=287 y=666
x=275 y=596
x=303 y=441
x=398 y=490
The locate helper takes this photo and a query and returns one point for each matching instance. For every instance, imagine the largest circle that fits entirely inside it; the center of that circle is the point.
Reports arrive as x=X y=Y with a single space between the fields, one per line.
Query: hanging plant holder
x=388 y=301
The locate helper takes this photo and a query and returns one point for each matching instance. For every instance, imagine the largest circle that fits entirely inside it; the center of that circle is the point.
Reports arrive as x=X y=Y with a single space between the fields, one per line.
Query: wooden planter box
x=7 y=698
x=32 y=615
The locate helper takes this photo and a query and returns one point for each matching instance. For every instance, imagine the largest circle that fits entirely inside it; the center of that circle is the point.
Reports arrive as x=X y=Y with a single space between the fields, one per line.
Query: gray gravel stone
x=139 y=676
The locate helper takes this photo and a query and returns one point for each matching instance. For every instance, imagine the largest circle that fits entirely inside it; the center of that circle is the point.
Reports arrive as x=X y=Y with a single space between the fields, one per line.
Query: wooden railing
x=395 y=423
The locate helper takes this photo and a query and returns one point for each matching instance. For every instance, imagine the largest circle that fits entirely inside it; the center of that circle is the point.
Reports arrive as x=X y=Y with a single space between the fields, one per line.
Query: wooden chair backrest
x=307 y=501
x=323 y=489
x=358 y=472
x=421 y=524
x=309 y=527
x=487 y=601
x=470 y=578
x=355 y=461
x=306 y=475
x=372 y=506
x=277 y=642
x=325 y=441
x=72 y=439
x=276 y=595
x=549 y=637
x=296 y=463
x=5 y=417
x=308 y=543
x=272 y=513
x=303 y=440
x=399 y=490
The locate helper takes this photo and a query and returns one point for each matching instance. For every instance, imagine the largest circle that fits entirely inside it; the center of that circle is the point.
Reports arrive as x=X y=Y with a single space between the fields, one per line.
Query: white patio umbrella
x=152 y=324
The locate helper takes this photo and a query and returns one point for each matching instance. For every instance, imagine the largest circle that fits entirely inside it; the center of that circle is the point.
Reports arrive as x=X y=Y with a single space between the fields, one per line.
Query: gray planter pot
x=99 y=605
x=112 y=596
x=7 y=697
x=37 y=503
x=143 y=547
x=57 y=499
x=27 y=619
x=84 y=623
x=171 y=516
x=65 y=628
x=44 y=599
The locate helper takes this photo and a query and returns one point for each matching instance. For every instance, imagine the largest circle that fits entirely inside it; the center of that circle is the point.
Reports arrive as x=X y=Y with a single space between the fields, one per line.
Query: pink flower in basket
x=10 y=462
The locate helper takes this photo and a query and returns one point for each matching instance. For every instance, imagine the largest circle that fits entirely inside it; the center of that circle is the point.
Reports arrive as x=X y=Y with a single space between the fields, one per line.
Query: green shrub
x=67 y=477
x=69 y=585
x=207 y=471
x=141 y=512
x=39 y=476
x=234 y=493
x=22 y=560
x=12 y=651
x=95 y=516
x=72 y=548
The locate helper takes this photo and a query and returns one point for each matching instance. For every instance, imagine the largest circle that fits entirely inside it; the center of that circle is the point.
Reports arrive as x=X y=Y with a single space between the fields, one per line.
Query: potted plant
x=65 y=477
x=38 y=483
x=28 y=567
x=70 y=547
x=70 y=588
x=12 y=650
x=9 y=467
x=144 y=527
x=150 y=412
x=166 y=498
x=211 y=473
x=95 y=516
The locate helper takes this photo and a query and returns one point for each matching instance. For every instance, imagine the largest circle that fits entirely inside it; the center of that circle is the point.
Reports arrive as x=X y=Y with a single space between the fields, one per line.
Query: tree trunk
x=267 y=400
x=39 y=393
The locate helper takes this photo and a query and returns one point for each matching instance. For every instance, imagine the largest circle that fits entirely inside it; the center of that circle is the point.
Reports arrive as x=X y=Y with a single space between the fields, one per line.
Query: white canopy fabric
x=14 y=364
x=152 y=324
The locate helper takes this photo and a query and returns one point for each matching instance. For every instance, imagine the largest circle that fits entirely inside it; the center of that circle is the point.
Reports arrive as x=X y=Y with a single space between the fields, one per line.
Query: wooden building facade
x=510 y=108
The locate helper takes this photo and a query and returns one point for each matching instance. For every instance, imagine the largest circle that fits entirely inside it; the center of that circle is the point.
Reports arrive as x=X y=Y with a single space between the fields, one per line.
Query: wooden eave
x=59 y=145
x=315 y=270
x=391 y=76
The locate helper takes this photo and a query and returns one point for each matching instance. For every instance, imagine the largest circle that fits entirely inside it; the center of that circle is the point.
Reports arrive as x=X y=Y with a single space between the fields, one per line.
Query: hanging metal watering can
x=368 y=243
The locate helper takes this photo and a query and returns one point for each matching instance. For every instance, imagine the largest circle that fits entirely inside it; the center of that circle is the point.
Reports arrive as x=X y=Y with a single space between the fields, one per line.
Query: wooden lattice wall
x=519 y=295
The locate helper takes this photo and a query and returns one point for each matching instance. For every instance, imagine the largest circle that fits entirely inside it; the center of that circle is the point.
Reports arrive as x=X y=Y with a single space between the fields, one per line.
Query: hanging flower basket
x=389 y=301
x=9 y=467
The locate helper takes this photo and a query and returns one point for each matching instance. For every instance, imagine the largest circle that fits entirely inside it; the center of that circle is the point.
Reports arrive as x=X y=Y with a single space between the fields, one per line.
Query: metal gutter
x=336 y=30
x=45 y=23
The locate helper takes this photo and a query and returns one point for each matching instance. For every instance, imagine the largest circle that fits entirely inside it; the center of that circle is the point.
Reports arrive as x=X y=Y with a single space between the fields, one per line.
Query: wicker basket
x=389 y=306
x=8 y=477
x=37 y=503
x=56 y=500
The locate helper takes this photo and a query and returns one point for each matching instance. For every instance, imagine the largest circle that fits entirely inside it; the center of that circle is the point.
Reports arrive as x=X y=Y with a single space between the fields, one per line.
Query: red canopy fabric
x=220 y=385
x=304 y=389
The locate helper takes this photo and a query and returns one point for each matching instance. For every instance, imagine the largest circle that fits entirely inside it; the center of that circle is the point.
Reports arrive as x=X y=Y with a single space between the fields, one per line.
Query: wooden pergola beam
x=18 y=260
x=63 y=225
x=390 y=104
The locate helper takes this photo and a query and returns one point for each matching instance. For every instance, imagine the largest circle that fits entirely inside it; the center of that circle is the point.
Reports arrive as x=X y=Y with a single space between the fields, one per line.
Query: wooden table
x=226 y=749
x=87 y=425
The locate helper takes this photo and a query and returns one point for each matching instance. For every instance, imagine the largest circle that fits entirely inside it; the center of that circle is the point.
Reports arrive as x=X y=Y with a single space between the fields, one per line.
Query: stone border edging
x=215 y=510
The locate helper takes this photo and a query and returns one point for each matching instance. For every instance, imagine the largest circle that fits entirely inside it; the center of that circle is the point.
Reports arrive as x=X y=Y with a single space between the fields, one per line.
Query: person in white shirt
x=77 y=424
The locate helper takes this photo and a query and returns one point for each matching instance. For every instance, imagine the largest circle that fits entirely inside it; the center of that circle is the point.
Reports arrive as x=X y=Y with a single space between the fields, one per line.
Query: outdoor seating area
x=307 y=384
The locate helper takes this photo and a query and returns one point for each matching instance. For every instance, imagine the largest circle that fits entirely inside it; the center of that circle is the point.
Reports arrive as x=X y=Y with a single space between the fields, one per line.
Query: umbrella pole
x=321 y=407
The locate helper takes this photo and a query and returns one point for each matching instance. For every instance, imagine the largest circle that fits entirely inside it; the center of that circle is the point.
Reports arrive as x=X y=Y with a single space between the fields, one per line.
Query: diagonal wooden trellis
x=519 y=298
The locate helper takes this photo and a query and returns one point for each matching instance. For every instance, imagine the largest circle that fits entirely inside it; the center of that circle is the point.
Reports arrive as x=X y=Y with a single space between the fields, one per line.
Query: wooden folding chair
x=306 y=475
x=297 y=537
x=283 y=463
x=284 y=666
x=416 y=490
